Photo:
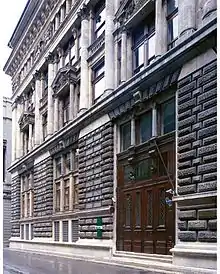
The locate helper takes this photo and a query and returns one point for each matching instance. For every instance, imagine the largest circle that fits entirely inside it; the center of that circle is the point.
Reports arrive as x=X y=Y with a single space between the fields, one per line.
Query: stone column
x=62 y=16
x=56 y=114
x=30 y=138
x=154 y=120
x=132 y=131
x=71 y=101
x=71 y=192
x=160 y=28
x=14 y=122
x=57 y=21
x=129 y=56
x=18 y=132
x=209 y=8
x=186 y=18
x=50 y=114
x=37 y=131
x=67 y=6
x=84 y=83
x=109 y=45
x=124 y=55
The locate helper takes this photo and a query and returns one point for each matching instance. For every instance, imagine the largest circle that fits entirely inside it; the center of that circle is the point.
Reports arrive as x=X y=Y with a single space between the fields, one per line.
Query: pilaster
x=109 y=45
x=50 y=114
x=84 y=84
x=187 y=18
x=160 y=28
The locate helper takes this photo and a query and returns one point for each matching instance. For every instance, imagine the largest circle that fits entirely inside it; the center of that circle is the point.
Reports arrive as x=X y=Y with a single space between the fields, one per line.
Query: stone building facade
x=114 y=129
x=7 y=137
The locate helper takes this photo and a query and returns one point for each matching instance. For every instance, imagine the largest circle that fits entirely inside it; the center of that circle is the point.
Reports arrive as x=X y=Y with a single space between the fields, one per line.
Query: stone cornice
x=199 y=42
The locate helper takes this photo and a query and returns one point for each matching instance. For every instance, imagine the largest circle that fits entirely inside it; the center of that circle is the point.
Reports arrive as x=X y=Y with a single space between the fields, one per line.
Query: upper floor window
x=144 y=44
x=119 y=63
x=27 y=195
x=172 y=21
x=144 y=127
x=66 y=116
x=44 y=125
x=4 y=162
x=168 y=116
x=98 y=81
x=125 y=135
x=99 y=23
x=58 y=167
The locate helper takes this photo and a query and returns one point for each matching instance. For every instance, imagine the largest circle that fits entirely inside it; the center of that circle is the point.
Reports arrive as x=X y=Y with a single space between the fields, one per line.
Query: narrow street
x=16 y=262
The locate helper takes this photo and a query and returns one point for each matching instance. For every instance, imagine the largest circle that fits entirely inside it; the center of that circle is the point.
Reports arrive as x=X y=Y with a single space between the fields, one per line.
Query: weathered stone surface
x=207 y=236
x=206 y=168
x=187 y=215
x=187 y=236
x=197 y=225
x=212 y=224
x=187 y=189
x=182 y=225
x=207 y=213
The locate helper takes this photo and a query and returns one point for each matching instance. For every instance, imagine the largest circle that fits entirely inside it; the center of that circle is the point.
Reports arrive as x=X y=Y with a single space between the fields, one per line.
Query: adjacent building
x=114 y=129
x=7 y=137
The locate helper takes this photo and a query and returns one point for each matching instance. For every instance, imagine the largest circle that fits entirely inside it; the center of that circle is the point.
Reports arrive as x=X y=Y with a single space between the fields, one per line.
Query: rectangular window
x=76 y=191
x=144 y=43
x=58 y=167
x=66 y=194
x=27 y=231
x=57 y=196
x=28 y=204
x=75 y=159
x=172 y=21
x=125 y=136
x=75 y=230
x=143 y=170
x=99 y=21
x=65 y=231
x=168 y=116
x=56 y=231
x=66 y=105
x=99 y=81
x=119 y=62
x=44 y=125
x=22 y=231
x=144 y=128
x=67 y=166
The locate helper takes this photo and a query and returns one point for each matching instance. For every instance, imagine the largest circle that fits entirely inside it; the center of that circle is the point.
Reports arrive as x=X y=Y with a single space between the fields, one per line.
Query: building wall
x=188 y=69
x=7 y=136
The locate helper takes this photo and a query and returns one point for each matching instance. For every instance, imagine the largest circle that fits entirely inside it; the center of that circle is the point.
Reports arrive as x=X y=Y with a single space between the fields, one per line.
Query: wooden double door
x=145 y=222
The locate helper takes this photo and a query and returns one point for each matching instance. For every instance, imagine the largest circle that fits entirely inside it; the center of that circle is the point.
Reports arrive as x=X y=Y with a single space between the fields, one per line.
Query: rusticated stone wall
x=96 y=180
x=15 y=206
x=197 y=155
x=43 y=197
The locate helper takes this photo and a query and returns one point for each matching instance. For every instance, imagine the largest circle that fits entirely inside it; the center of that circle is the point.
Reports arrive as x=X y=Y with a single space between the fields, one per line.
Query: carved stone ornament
x=50 y=58
x=37 y=75
x=84 y=12
x=48 y=33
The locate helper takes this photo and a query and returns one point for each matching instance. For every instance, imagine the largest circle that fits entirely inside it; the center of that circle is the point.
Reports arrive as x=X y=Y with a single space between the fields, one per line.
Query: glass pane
x=139 y=56
x=100 y=31
x=125 y=136
x=171 y=6
x=99 y=70
x=100 y=19
x=145 y=127
x=169 y=116
x=172 y=29
x=138 y=34
x=73 y=51
x=151 y=47
x=99 y=87
x=128 y=174
x=138 y=209
x=128 y=210
x=143 y=170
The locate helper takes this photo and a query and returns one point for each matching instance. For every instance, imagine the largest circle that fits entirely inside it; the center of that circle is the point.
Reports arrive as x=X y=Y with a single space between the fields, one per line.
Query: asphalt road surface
x=16 y=262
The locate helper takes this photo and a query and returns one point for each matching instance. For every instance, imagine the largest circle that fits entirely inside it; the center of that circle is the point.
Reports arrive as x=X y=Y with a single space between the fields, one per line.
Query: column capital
x=84 y=12
x=124 y=30
x=37 y=75
x=50 y=58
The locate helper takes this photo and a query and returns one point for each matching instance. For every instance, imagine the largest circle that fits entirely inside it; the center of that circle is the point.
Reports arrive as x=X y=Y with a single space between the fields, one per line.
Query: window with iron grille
x=56 y=231
x=27 y=231
x=75 y=230
x=65 y=231
x=22 y=232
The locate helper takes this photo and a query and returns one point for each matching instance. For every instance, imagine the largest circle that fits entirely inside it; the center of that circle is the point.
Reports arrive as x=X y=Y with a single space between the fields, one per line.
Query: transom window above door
x=164 y=117
x=144 y=43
